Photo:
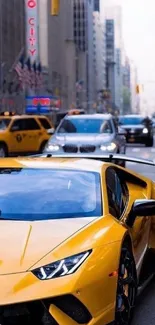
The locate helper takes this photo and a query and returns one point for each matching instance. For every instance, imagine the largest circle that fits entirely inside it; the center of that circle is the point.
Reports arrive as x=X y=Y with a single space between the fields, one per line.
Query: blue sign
x=42 y=104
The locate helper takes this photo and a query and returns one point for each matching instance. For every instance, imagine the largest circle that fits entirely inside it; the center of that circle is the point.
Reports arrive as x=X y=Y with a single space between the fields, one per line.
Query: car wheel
x=3 y=151
x=149 y=142
x=126 y=288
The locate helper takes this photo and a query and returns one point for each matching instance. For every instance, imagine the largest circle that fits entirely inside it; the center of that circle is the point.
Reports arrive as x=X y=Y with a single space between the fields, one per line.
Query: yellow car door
x=16 y=137
x=118 y=199
x=140 y=230
x=32 y=134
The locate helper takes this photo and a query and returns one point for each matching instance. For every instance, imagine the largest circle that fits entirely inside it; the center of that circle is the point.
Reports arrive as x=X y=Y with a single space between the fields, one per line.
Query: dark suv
x=139 y=129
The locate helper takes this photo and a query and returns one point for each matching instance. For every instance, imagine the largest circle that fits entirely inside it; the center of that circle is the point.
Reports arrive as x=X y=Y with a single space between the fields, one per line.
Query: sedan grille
x=70 y=148
x=87 y=149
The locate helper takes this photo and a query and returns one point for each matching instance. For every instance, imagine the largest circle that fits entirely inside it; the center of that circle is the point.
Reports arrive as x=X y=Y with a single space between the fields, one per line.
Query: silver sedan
x=96 y=133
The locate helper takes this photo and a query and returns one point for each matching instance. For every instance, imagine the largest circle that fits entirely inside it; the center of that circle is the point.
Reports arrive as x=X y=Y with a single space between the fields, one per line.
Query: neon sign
x=41 y=101
x=42 y=104
x=31 y=6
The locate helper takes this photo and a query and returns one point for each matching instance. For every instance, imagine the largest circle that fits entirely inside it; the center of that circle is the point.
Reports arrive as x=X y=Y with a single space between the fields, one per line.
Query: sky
x=139 y=41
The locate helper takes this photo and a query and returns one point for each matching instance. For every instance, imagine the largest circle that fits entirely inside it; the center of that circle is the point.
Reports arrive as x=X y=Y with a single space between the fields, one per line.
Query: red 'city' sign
x=31 y=4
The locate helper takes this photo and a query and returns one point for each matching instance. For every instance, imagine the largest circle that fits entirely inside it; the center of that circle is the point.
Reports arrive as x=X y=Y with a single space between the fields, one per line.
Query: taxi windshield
x=45 y=194
x=4 y=123
x=84 y=125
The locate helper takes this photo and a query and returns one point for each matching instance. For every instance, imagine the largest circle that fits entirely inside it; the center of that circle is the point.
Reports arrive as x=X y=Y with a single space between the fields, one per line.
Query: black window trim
x=26 y=119
x=126 y=189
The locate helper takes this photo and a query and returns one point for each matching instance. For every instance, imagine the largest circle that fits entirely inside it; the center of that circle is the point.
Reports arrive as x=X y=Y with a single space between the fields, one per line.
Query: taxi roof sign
x=7 y=114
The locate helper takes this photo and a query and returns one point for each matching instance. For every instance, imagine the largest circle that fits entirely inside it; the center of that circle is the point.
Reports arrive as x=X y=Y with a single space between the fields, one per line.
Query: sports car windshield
x=84 y=125
x=44 y=194
x=131 y=120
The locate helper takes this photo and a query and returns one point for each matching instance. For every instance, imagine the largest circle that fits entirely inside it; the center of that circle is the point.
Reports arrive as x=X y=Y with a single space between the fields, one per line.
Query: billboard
x=32 y=41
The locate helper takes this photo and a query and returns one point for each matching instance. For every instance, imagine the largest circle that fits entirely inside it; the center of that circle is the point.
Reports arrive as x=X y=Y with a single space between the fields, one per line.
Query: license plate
x=132 y=139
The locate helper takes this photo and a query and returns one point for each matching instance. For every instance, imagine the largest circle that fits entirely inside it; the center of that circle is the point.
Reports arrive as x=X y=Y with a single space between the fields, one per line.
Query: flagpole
x=17 y=59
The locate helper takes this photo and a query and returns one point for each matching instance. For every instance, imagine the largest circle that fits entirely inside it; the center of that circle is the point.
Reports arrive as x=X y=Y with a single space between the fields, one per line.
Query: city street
x=145 y=311
x=140 y=151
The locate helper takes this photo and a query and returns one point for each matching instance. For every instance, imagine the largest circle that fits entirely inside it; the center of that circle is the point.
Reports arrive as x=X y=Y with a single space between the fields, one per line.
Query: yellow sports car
x=76 y=236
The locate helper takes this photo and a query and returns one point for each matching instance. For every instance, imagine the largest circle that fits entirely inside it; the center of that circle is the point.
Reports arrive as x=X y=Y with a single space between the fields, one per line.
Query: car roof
x=53 y=163
x=88 y=116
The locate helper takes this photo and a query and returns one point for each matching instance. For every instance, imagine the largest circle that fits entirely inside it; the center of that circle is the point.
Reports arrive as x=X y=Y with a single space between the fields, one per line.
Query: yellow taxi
x=21 y=134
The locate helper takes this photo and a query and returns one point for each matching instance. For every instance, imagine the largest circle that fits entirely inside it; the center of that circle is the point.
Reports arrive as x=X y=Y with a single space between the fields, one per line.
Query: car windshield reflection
x=41 y=194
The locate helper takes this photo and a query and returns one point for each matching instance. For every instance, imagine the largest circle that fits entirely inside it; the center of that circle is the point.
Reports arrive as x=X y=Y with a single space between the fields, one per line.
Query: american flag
x=39 y=79
x=33 y=75
x=27 y=73
x=19 y=68
x=79 y=85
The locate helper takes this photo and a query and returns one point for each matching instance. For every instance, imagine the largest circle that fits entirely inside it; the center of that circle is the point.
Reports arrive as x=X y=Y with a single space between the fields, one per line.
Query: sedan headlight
x=108 y=147
x=145 y=130
x=61 y=268
x=52 y=147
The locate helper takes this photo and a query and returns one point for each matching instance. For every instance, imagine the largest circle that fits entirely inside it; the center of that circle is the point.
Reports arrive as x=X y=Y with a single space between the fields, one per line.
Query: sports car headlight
x=145 y=131
x=61 y=268
x=52 y=147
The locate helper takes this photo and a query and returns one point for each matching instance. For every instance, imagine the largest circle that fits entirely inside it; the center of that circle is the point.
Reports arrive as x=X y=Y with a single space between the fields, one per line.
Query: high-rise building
x=83 y=35
x=114 y=13
x=97 y=5
x=12 y=39
x=66 y=50
x=91 y=95
x=126 y=86
x=57 y=51
x=99 y=43
x=12 y=31
x=110 y=59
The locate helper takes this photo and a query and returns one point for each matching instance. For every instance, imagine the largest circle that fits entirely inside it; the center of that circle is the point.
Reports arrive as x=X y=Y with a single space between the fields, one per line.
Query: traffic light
x=137 y=89
x=55 y=7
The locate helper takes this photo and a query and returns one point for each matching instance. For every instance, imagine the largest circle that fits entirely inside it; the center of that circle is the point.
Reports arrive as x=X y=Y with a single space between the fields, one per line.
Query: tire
x=3 y=151
x=149 y=142
x=126 y=288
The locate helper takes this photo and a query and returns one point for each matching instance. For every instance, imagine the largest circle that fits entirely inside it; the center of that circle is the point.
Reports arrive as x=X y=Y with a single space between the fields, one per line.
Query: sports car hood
x=22 y=244
x=133 y=126
x=82 y=139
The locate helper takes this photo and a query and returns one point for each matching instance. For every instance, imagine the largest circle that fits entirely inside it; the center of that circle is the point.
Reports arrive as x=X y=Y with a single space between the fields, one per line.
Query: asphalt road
x=145 y=309
x=141 y=151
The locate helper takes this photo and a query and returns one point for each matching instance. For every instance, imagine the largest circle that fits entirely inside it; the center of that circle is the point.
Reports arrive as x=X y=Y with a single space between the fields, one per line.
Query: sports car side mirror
x=141 y=208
